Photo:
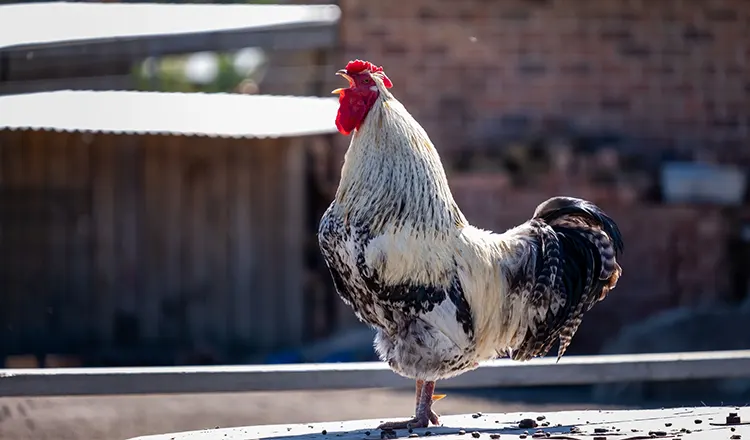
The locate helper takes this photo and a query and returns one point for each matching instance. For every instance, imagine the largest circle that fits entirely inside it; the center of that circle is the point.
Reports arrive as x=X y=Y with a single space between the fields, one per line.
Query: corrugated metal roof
x=219 y=115
x=35 y=24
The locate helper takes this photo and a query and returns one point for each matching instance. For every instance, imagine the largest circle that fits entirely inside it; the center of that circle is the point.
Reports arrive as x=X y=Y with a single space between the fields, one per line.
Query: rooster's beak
x=342 y=72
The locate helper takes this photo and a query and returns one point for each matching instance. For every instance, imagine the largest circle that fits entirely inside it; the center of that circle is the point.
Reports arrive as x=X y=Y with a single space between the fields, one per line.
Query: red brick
x=646 y=49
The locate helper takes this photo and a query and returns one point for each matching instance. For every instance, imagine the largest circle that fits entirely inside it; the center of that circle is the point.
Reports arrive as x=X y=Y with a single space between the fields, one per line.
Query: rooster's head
x=365 y=80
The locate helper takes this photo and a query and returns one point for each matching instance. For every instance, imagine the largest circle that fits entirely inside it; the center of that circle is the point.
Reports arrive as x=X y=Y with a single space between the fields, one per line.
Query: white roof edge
x=23 y=24
x=188 y=114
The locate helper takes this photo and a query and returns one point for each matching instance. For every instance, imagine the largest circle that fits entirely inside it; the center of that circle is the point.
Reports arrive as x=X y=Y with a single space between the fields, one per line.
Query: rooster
x=441 y=294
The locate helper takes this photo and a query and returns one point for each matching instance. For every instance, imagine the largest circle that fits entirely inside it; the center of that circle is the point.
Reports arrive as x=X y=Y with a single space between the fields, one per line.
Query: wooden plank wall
x=168 y=242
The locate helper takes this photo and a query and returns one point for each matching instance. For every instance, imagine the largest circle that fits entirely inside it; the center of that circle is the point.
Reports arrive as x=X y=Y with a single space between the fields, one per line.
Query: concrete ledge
x=572 y=370
x=705 y=423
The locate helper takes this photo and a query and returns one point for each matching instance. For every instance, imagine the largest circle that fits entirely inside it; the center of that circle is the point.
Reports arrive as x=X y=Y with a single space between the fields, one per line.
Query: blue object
x=691 y=182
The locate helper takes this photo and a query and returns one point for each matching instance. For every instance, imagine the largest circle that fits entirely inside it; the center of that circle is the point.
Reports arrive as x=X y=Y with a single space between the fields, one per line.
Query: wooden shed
x=154 y=224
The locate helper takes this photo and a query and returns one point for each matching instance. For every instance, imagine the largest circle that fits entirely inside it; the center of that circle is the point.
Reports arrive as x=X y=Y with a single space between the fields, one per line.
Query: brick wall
x=665 y=71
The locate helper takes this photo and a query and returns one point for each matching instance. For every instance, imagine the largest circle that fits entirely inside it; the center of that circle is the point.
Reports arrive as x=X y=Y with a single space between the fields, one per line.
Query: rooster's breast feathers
x=425 y=326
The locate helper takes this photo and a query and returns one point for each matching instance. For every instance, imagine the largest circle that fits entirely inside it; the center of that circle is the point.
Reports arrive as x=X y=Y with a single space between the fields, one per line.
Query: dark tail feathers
x=576 y=230
x=591 y=222
x=567 y=208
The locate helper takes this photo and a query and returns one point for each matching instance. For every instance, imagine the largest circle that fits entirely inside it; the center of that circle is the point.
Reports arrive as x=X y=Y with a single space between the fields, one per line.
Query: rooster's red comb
x=358 y=66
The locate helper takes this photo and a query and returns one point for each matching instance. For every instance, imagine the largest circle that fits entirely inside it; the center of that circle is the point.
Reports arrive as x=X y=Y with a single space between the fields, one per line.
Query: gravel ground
x=122 y=417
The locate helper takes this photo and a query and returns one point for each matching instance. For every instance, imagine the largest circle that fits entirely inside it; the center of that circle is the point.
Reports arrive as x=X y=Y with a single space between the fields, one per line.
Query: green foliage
x=170 y=76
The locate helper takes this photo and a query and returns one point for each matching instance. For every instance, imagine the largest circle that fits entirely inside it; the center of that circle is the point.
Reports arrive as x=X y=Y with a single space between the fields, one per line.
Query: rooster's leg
x=424 y=414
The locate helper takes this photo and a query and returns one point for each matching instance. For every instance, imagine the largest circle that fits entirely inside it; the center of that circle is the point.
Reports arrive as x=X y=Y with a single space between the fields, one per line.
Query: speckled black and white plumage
x=442 y=294
x=408 y=316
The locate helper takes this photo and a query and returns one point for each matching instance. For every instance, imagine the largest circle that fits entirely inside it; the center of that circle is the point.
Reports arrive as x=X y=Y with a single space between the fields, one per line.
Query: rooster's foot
x=414 y=423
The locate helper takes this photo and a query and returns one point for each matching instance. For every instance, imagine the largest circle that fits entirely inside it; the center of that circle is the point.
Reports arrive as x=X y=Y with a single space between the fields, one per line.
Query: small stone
x=388 y=433
x=428 y=433
x=735 y=437
x=494 y=436
x=657 y=433
x=367 y=432
x=475 y=434
x=477 y=415
x=600 y=430
x=461 y=432
x=732 y=429
x=522 y=436
x=527 y=423
x=413 y=435
x=599 y=437
x=698 y=421
x=324 y=432
x=540 y=418
x=667 y=424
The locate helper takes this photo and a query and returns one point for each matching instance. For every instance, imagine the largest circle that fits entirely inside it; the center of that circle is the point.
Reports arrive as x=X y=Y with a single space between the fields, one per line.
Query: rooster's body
x=442 y=294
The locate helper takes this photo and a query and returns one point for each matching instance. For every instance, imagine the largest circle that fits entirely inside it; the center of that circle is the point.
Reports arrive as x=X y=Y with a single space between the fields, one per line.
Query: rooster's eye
x=367 y=81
